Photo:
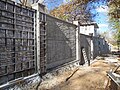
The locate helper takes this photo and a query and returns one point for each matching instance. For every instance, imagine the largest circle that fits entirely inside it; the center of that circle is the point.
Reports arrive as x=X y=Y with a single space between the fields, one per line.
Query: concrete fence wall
x=31 y=40
x=100 y=47
x=60 y=42
x=85 y=42
x=94 y=46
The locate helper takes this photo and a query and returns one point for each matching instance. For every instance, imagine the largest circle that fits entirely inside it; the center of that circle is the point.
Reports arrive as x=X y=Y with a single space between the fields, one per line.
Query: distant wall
x=100 y=47
x=94 y=46
x=60 y=42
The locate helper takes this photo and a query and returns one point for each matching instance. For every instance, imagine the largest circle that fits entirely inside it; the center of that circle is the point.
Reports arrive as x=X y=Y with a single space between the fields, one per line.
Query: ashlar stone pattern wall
x=61 y=42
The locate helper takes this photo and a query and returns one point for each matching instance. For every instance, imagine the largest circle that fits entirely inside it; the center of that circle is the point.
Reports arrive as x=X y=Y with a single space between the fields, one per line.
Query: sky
x=102 y=18
x=51 y=5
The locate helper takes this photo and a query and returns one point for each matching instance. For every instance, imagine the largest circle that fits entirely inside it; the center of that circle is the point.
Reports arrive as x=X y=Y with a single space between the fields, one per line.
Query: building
x=88 y=42
x=89 y=28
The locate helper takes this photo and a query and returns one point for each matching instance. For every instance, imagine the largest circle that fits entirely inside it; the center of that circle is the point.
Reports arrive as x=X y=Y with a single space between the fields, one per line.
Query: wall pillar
x=92 y=47
x=78 y=48
x=40 y=8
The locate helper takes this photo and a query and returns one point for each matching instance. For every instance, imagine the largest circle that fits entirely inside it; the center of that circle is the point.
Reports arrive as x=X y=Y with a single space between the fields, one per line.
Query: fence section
x=100 y=47
x=22 y=28
x=61 y=42
x=85 y=43
x=17 y=38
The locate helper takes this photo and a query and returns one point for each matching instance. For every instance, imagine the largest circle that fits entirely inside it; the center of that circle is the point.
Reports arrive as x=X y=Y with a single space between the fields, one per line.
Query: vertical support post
x=78 y=48
x=35 y=42
x=79 y=43
x=36 y=6
x=41 y=45
x=14 y=39
x=91 y=46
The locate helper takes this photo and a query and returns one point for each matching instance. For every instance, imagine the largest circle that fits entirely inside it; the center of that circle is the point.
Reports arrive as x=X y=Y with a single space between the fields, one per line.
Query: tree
x=30 y=2
x=114 y=17
x=76 y=10
x=114 y=9
x=72 y=11
x=81 y=10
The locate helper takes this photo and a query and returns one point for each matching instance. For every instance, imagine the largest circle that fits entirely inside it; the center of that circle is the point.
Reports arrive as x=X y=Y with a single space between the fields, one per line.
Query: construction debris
x=72 y=74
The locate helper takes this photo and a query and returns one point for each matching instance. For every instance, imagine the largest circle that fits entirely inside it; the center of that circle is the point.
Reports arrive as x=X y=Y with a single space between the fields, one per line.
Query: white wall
x=78 y=49
x=88 y=29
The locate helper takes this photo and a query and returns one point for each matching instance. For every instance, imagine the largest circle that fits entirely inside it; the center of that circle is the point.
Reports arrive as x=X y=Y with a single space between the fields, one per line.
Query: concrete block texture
x=94 y=46
x=100 y=47
x=61 y=42
x=85 y=42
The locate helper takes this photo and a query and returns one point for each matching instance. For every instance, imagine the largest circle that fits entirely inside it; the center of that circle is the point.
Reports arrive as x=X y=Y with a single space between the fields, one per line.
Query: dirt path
x=86 y=78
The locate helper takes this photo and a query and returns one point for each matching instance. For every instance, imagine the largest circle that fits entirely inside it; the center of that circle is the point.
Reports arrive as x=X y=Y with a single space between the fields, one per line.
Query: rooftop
x=88 y=24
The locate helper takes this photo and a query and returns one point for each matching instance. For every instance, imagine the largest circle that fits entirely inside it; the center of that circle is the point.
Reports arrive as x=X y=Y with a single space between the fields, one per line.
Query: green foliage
x=114 y=18
x=115 y=25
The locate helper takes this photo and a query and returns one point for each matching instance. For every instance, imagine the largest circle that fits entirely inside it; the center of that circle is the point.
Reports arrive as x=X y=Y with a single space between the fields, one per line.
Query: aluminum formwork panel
x=17 y=41
x=42 y=43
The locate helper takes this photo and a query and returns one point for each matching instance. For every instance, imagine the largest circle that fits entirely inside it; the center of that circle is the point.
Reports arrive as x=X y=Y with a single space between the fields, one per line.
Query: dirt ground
x=93 y=77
